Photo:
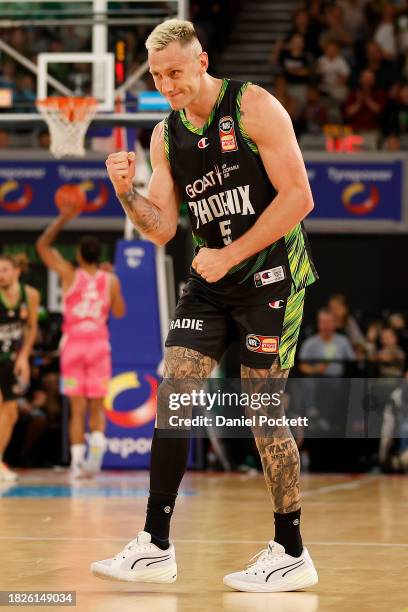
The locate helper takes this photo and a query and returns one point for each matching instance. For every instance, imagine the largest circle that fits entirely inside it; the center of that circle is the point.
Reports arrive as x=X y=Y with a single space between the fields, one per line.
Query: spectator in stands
x=396 y=113
x=385 y=70
x=281 y=93
x=24 y=100
x=335 y=30
x=345 y=323
x=315 y=11
x=307 y=27
x=18 y=40
x=393 y=452
x=353 y=17
x=4 y=139
x=397 y=322
x=59 y=70
x=77 y=39
x=334 y=72
x=301 y=25
x=372 y=339
x=315 y=113
x=385 y=34
x=296 y=67
x=364 y=106
x=323 y=354
x=8 y=71
x=322 y=360
x=391 y=143
x=390 y=357
x=43 y=139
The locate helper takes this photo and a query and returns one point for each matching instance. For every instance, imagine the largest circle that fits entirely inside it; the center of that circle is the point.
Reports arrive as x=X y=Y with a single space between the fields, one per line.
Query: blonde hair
x=17 y=260
x=172 y=30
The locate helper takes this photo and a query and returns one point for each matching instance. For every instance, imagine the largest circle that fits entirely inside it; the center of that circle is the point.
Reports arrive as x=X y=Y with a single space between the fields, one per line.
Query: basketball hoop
x=68 y=119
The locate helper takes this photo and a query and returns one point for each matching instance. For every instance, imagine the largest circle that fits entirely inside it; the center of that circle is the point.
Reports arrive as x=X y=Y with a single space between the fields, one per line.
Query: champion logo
x=203 y=143
x=296 y=522
x=276 y=304
x=167 y=509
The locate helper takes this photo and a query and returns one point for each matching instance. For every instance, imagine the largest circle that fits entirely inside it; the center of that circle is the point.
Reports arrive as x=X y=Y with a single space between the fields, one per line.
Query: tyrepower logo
x=14 y=197
x=131 y=402
x=360 y=199
x=262 y=344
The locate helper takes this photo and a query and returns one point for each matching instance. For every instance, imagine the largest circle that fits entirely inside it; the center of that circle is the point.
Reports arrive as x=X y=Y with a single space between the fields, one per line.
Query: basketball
x=69 y=197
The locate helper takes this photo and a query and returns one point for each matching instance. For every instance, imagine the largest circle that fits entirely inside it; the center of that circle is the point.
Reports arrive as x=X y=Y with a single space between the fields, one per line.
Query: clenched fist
x=212 y=264
x=121 y=170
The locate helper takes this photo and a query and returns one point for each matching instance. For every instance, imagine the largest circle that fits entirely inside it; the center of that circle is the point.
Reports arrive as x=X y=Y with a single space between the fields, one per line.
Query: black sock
x=167 y=466
x=159 y=510
x=287 y=532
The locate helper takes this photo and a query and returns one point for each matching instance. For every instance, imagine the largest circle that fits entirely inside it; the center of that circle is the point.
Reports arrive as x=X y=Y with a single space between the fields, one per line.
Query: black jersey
x=226 y=188
x=12 y=322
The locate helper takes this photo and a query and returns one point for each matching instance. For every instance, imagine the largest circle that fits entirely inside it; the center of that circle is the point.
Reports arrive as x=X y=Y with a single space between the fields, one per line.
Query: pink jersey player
x=85 y=348
x=90 y=294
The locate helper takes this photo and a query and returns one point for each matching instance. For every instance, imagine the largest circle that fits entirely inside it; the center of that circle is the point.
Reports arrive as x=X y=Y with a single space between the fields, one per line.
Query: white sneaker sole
x=301 y=581
x=166 y=575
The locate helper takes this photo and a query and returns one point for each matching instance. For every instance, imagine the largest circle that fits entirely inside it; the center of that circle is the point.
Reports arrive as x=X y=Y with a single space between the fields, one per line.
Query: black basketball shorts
x=266 y=331
x=8 y=382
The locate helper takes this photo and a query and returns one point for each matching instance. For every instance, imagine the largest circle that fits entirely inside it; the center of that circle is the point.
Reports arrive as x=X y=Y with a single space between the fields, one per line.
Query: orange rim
x=72 y=108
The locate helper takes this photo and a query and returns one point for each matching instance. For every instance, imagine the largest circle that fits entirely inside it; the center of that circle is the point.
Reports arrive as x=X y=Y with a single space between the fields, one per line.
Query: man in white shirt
x=334 y=72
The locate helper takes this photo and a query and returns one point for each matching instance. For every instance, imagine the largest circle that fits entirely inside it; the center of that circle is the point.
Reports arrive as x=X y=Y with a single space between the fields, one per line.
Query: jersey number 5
x=226 y=231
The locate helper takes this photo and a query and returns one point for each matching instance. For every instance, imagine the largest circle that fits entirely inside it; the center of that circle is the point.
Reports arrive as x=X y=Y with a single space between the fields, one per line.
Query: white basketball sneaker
x=274 y=571
x=93 y=464
x=139 y=561
x=6 y=475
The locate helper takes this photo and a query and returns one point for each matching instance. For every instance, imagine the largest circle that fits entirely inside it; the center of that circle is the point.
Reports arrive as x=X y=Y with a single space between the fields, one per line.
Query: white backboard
x=103 y=66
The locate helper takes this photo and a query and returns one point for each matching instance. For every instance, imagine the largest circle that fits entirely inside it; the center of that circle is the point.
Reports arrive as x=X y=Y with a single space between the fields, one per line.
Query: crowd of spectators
x=345 y=62
x=213 y=20
x=340 y=350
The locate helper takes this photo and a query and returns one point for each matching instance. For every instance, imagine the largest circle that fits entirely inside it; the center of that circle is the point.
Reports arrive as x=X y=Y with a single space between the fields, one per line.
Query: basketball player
x=89 y=294
x=18 y=331
x=229 y=150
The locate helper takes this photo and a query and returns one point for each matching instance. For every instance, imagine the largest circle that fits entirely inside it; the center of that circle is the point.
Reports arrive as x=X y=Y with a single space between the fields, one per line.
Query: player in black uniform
x=18 y=330
x=228 y=150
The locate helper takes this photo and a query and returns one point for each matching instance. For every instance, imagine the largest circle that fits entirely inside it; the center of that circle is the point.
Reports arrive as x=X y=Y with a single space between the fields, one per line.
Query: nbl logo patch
x=228 y=139
x=262 y=344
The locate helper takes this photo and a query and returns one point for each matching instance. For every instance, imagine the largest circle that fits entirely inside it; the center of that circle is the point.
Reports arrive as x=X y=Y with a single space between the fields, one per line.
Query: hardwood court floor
x=356 y=528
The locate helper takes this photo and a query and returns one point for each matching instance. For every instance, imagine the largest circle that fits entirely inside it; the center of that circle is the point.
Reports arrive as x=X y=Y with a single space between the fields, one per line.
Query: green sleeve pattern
x=245 y=136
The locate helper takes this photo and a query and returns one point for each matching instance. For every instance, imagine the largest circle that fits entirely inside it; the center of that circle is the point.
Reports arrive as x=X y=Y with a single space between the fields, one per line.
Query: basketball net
x=68 y=119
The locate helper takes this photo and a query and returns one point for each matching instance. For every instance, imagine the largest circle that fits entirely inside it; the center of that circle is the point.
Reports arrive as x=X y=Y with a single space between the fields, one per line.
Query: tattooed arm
x=155 y=216
x=277 y=447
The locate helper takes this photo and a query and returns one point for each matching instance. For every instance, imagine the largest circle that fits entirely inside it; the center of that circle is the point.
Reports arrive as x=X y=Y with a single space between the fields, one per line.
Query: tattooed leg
x=277 y=449
x=184 y=371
